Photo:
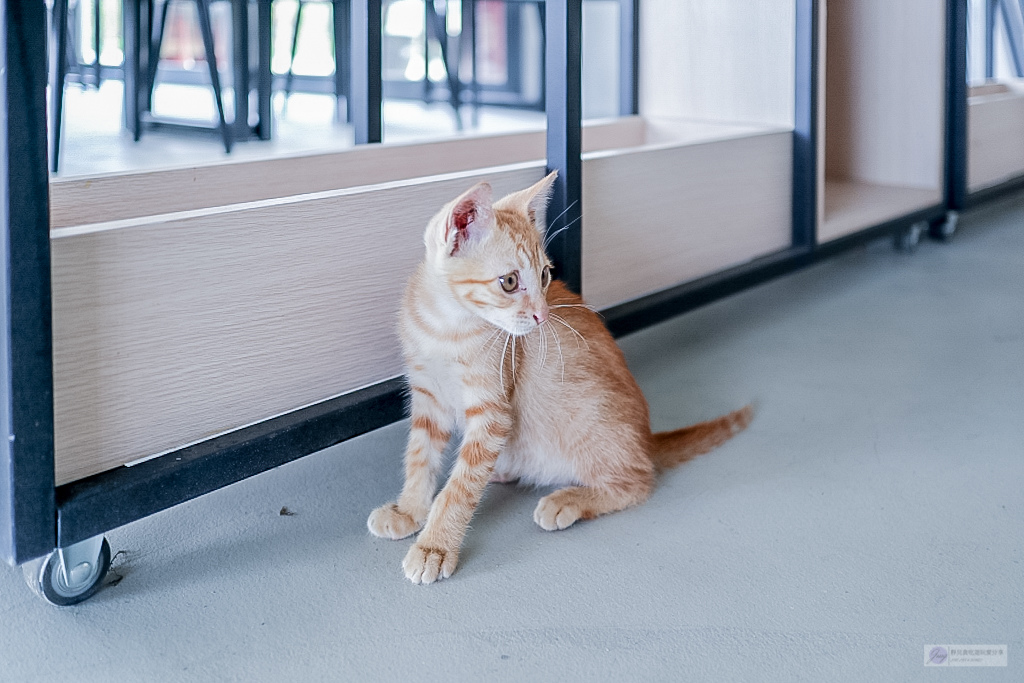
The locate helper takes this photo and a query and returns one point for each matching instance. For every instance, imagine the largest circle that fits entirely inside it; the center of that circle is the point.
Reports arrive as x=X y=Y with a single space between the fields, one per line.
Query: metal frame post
x=563 y=87
x=956 y=105
x=27 y=506
x=341 y=11
x=629 y=57
x=805 y=133
x=365 y=98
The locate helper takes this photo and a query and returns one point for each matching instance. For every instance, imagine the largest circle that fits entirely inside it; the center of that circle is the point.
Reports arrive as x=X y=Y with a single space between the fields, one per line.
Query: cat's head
x=491 y=254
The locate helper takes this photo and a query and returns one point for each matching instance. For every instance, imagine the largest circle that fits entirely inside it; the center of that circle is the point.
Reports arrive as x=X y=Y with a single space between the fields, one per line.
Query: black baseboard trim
x=97 y=504
x=654 y=308
x=994 y=192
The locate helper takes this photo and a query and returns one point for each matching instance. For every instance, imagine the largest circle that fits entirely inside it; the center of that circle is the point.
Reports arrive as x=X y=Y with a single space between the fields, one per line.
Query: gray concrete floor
x=874 y=507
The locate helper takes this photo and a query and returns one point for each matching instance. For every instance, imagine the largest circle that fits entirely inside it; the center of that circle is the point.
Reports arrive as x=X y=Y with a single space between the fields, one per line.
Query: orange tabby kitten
x=528 y=374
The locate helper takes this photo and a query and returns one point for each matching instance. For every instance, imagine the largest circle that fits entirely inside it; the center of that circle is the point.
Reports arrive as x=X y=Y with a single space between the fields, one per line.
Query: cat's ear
x=533 y=200
x=468 y=219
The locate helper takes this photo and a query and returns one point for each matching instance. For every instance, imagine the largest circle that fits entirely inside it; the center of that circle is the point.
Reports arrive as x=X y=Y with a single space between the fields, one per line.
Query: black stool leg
x=437 y=22
x=96 y=38
x=59 y=74
x=295 y=46
x=211 y=61
x=155 y=43
x=342 y=17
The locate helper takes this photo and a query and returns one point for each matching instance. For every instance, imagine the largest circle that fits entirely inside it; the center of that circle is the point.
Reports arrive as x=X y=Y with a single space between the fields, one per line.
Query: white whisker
x=502 y=366
x=513 y=361
x=572 y=329
x=560 y=356
x=493 y=339
x=543 y=347
x=552 y=222
x=561 y=229
x=586 y=306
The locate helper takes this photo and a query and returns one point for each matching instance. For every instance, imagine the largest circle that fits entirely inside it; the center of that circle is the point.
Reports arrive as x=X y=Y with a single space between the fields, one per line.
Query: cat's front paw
x=388 y=521
x=556 y=512
x=426 y=565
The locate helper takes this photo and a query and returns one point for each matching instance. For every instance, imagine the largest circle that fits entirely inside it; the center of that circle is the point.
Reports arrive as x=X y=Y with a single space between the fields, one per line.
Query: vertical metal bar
x=27 y=507
x=240 y=68
x=59 y=77
x=629 y=57
x=563 y=66
x=805 y=133
x=342 y=57
x=991 y=7
x=956 y=104
x=97 y=26
x=132 y=31
x=366 y=85
x=264 y=77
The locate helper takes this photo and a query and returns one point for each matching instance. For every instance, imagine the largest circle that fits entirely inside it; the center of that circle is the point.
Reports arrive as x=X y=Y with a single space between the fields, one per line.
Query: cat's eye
x=510 y=282
x=545 y=277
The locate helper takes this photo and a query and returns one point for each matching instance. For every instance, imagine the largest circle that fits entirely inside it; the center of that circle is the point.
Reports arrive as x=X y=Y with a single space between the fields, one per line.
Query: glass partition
x=995 y=103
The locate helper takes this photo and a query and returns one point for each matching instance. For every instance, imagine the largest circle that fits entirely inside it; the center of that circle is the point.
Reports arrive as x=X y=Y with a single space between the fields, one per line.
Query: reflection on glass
x=427 y=51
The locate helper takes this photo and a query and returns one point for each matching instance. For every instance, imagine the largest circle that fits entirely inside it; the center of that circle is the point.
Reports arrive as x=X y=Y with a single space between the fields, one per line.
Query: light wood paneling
x=173 y=329
x=851 y=206
x=718 y=61
x=884 y=85
x=884 y=123
x=995 y=129
x=658 y=216
x=109 y=197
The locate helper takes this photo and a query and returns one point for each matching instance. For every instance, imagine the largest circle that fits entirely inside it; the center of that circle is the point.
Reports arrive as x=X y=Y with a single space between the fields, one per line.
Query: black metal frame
x=35 y=516
x=956 y=105
x=27 y=521
x=563 y=66
x=366 y=88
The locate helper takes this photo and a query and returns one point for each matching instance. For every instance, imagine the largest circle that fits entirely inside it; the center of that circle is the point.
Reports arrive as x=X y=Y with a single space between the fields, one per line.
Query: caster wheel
x=943 y=231
x=907 y=240
x=69 y=576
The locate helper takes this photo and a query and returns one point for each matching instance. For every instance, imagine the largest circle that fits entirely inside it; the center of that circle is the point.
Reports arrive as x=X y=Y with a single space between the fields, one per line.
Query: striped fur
x=528 y=375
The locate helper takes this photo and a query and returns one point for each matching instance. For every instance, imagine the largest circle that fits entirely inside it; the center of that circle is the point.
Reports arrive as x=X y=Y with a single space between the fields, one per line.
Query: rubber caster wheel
x=906 y=240
x=944 y=230
x=68 y=576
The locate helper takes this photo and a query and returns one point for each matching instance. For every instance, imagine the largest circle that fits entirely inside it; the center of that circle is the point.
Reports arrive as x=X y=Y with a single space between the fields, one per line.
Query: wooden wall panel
x=884 y=91
x=660 y=216
x=995 y=133
x=109 y=197
x=176 y=328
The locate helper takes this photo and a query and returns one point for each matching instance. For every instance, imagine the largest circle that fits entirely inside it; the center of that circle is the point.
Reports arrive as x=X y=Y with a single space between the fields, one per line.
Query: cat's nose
x=541 y=316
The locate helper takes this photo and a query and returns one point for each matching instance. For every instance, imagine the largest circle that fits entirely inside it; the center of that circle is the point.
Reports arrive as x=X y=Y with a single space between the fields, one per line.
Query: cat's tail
x=676 y=447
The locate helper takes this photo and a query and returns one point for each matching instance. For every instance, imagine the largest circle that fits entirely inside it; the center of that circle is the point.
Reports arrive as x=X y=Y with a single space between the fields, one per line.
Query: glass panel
x=995 y=103
x=498 y=76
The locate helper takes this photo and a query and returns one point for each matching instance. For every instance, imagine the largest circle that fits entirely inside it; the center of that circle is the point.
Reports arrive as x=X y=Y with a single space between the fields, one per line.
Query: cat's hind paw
x=555 y=512
x=388 y=521
x=424 y=565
